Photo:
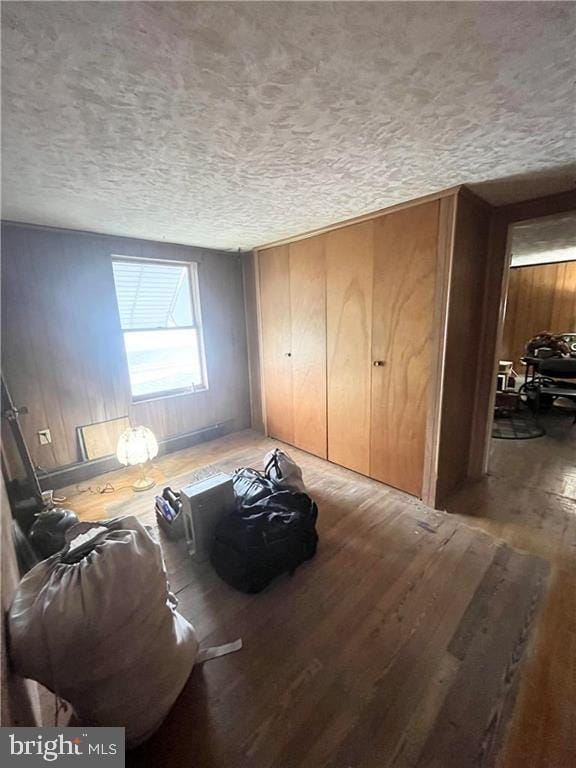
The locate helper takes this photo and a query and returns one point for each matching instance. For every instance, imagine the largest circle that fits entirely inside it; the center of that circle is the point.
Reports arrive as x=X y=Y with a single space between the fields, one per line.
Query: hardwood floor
x=403 y=643
x=529 y=500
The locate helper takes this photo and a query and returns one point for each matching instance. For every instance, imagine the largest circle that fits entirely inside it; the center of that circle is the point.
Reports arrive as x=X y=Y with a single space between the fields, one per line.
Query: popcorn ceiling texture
x=531 y=239
x=234 y=124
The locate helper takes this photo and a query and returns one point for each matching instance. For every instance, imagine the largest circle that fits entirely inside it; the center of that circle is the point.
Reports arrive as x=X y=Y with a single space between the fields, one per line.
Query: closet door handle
x=378 y=363
x=287 y=354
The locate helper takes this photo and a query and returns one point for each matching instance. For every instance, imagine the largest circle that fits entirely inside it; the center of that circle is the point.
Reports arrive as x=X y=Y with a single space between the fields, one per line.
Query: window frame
x=196 y=309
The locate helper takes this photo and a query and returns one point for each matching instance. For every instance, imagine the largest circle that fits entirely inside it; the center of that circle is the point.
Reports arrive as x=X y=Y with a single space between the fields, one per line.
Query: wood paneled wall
x=277 y=343
x=292 y=302
x=465 y=312
x=406 y=272
x=62 y=347
x=540 y=298
x=428 y=317
x=308 y=326
x=350 y=278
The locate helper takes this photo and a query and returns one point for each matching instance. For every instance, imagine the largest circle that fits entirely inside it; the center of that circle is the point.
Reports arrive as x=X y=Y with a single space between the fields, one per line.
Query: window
x=160 y=318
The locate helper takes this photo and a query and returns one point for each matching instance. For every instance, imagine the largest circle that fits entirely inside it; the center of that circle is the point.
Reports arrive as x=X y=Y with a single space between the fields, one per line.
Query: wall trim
x=451 y=191
x=445 y=252
x=542 y=264
x=62 y=477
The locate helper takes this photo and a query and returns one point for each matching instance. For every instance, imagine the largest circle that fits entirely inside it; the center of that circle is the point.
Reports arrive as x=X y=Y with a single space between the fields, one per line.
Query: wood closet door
x=349 y=330
x=308 y=316
x=274 y=266
x=405 y=256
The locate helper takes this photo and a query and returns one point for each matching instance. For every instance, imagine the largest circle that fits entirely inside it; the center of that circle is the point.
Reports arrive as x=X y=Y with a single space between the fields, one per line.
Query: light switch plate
x=44 y=437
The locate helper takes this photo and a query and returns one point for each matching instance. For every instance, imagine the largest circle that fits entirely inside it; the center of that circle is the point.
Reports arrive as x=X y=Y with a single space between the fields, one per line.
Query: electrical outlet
x=44 y=437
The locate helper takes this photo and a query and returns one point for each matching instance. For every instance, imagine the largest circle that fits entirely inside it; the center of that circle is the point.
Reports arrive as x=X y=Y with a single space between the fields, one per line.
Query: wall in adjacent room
x=62 y=347
x=540 y=298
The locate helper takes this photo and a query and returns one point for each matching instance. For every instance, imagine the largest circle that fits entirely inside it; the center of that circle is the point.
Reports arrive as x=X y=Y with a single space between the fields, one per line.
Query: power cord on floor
x=108 y=488
x=101 y=489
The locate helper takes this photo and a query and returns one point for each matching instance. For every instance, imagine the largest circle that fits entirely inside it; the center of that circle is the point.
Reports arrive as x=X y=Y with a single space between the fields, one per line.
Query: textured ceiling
x=540 y=241
x=234 y=124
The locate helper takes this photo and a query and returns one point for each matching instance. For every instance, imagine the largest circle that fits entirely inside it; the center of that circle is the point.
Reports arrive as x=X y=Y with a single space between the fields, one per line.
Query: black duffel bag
x=251 y=486
x=262 y=539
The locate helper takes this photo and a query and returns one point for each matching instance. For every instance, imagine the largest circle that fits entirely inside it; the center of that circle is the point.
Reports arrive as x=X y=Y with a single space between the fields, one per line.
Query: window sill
x=165 y=395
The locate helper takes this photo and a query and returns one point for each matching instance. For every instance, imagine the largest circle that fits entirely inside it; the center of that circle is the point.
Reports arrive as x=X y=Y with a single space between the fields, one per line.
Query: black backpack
x=271 y=531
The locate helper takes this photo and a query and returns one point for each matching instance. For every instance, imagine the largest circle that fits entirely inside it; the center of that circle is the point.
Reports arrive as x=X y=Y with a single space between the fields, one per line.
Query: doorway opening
x=533 y=432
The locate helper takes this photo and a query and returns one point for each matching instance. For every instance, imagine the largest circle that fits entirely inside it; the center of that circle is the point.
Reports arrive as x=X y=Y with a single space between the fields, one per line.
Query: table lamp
x=136 y=446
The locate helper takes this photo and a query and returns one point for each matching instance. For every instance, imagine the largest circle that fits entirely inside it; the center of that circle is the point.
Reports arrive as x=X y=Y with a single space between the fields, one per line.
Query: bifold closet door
x=274 y=268
x=308 y=324
x=405 y=260
x=349 y=257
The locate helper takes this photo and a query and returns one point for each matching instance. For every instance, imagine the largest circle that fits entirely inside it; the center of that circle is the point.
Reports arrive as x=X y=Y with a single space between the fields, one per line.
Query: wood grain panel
x=308 y=324
x=464 y=327
x=274 y=265
x=405 y=256
x=349 y=266
x=540 y=298
x=445 y=244
x=62 y=345
x=101 y=439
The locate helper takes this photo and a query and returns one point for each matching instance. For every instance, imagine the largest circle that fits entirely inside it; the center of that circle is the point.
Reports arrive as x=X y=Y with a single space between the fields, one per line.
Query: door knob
x=288 y=354
x=378 y=363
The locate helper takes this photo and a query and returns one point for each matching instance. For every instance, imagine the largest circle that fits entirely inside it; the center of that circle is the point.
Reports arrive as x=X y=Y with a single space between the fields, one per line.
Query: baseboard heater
x=86 y=470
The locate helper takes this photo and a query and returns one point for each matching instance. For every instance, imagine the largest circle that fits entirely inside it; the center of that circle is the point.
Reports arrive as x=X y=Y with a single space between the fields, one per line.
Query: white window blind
x=159 y=316
x=153 y=295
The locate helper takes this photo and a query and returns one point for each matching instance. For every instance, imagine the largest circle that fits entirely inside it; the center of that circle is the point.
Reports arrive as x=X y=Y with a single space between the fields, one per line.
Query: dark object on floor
x=516 y=425
x=550 y=380
x=25 y=555
x=261 y=540
x=250 y=486
x=47 y=535
x=506 y=402
x=168 y=509
x=25 y=510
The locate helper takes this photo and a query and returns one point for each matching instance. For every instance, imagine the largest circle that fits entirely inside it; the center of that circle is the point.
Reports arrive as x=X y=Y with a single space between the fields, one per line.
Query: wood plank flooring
x=403 y=643
x=529 y=500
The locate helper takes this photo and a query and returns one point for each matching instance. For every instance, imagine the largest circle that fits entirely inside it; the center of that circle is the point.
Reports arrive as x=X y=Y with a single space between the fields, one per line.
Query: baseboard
x=86 y=470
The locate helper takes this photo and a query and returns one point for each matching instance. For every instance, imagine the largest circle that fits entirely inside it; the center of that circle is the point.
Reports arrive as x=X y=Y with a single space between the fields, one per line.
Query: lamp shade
x=136 y=446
